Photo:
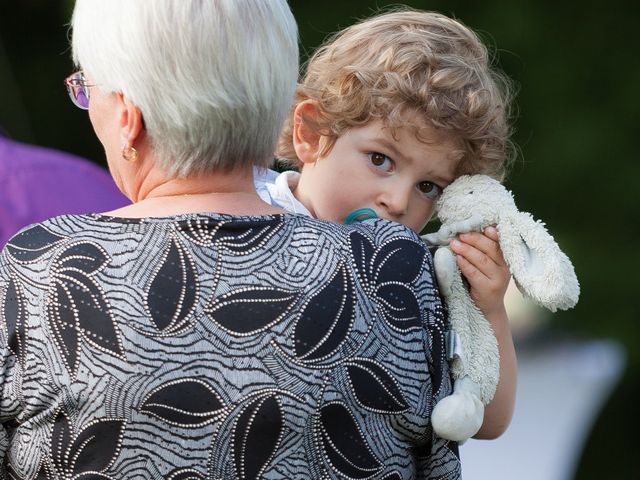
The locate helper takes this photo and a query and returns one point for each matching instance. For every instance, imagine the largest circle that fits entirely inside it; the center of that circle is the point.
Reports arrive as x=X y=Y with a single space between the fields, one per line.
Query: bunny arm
x=475 y=223
x=540 y=269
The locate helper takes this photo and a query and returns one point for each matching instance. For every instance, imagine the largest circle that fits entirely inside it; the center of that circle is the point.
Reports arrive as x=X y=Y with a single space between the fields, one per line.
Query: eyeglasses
x=78 y=89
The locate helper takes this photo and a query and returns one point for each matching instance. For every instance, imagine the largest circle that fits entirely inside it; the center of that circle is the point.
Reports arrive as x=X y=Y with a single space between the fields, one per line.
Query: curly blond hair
x=404 y=64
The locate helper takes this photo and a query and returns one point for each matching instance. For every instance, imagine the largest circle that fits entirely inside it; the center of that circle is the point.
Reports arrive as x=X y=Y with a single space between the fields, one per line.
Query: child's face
x=399 y=178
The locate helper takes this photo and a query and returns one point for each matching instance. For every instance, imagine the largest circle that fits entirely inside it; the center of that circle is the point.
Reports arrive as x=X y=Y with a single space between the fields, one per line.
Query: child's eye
x=381 y=161
x=430 y=189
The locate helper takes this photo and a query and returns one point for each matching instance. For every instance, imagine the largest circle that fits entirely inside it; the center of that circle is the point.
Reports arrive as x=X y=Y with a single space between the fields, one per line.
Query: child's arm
x=481 y=262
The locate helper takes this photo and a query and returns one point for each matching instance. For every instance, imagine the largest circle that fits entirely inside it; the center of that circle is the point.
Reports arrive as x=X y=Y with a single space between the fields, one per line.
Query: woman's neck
x=223 y=192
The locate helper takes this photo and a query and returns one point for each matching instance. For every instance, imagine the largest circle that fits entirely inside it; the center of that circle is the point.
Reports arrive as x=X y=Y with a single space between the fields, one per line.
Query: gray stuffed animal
x=540 y=269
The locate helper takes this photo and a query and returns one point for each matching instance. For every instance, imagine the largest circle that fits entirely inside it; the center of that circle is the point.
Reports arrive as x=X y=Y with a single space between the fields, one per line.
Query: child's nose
x=394 y=202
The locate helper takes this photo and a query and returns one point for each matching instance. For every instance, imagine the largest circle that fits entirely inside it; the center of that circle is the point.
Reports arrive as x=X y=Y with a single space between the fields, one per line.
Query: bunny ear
x=540 y=269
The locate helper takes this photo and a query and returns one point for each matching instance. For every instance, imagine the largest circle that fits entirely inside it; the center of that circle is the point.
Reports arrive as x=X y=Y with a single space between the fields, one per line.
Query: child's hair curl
x=406 y=65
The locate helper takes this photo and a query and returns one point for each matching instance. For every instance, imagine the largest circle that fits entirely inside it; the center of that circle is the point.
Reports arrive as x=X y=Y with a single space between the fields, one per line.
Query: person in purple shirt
x=37 y=183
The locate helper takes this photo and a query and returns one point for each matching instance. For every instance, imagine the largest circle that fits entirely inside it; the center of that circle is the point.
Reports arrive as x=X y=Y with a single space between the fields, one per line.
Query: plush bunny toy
x=540 y=269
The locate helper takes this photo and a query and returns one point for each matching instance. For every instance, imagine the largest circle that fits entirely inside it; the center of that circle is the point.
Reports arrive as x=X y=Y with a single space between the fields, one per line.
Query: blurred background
x=577 y=69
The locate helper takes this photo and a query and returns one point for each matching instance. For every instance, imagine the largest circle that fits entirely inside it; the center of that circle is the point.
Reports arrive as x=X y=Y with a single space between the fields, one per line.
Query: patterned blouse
x=210 y=346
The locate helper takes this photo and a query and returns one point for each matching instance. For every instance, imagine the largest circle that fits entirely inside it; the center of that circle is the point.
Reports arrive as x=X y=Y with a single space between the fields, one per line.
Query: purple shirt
x=37 y=183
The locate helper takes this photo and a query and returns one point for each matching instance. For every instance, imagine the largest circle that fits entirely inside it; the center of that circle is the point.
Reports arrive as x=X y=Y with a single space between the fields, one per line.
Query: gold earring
x=130 y=154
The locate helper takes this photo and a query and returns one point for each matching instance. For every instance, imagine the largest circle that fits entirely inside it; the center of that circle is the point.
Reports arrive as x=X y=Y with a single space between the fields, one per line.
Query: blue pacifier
x=360 y=215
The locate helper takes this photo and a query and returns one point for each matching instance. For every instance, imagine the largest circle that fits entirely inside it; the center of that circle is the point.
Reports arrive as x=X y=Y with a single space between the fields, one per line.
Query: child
x=390 y=111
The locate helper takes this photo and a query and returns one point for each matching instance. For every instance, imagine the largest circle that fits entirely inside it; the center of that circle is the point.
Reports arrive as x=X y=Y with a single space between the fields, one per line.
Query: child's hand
x=481 y=262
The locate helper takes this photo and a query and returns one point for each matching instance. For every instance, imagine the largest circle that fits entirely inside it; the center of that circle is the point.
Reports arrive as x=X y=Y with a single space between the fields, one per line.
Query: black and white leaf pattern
x=63 y=323
x=387 y=273
x=97 y=446
x=393 y=476
x=220 y=390
x=343 y=443
x=400 y=305
x=172 y=293
x=201 y=231
x=61 y=438
x=374 y=388
x=185 y=474
x=92 y=312
x=84 y=257
x=396 y=261
x=93 y=476
x=247 y=311
x=42 y=474
x=362 y=250
x=326 y=319
x=77 y=310
x=31 y=244
x=188 y=403
x=88 y=454
x=246 y=237
x=257 y=435
x=12 y=474
x=436 y=346
x=239 y=237
x=14 y=312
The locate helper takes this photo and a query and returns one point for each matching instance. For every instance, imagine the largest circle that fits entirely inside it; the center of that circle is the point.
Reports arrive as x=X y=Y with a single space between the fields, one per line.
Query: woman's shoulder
x=62 y=225
x=383 y=250
x=33 y=241
x=377 y=231
x=386 y=229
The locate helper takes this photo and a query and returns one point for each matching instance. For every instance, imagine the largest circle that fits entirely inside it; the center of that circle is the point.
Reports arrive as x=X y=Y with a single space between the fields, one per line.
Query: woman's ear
x=306 y=139
x=131 y=122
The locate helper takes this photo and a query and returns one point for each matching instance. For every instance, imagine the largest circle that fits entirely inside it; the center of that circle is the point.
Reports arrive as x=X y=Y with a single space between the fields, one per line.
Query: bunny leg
x=479 y=358
x=459 y=416
x=475 y=369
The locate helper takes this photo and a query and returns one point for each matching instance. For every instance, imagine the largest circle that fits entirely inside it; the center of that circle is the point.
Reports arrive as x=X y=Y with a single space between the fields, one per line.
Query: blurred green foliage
x=577 y=68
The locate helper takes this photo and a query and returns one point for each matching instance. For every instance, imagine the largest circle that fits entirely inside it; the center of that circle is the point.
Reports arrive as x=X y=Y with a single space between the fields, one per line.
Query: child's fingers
x=485 y=262
x=492 y=233
x=485 y=244
x=481 y=262
x=470 y=271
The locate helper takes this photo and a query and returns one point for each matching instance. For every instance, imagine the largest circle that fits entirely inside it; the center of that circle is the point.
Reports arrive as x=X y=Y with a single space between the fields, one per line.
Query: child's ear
x=306 y=139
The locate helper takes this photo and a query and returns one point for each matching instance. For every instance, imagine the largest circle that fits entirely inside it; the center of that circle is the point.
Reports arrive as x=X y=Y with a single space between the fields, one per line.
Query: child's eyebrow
x=393 y=150
x=390 y=146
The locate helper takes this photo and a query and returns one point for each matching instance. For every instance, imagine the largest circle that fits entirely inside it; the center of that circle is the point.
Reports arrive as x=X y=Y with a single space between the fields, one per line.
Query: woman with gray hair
x=199 y=333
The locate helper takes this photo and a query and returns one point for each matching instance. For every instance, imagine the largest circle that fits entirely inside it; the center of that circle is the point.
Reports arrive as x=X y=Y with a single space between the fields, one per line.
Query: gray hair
x=214 y=79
